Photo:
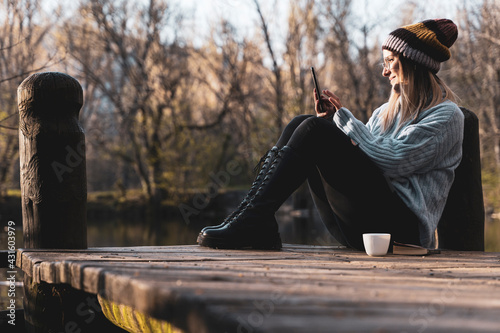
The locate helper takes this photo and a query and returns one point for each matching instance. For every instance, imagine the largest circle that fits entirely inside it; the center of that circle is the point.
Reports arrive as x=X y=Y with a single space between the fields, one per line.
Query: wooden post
x=52 y=161
x=54 y=198
x=462 y=224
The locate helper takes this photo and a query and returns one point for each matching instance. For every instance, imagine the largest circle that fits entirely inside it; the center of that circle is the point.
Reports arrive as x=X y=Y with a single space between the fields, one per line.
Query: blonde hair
x=420 y=90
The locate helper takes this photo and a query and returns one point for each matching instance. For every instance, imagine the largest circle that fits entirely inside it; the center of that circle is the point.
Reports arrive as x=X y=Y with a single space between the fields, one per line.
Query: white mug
x=376 y=244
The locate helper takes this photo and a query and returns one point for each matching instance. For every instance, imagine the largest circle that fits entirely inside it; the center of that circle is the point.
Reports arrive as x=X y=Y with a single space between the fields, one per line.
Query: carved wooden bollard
x=52 y=162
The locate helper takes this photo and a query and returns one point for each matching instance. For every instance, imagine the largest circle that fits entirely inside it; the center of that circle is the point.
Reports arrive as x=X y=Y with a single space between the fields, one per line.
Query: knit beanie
x=426 y=43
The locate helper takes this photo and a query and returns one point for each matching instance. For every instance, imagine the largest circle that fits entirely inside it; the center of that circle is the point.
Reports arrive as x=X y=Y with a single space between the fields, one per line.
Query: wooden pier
x=299 y=289
x=69 y=288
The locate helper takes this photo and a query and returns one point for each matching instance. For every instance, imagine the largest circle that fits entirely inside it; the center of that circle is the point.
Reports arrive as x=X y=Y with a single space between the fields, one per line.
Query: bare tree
x=164 y=103
x=23 y=32
x=302 y=49
x=353 y=66
x=133 y=71
x=277 y=83
x=475 y=74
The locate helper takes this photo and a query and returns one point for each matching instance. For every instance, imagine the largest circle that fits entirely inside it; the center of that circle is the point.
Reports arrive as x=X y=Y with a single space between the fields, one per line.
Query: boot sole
x=268 y=243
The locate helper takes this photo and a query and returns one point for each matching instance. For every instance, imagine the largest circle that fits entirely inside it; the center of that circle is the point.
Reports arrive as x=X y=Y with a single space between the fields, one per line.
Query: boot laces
x=262 y=164
x=257 y=193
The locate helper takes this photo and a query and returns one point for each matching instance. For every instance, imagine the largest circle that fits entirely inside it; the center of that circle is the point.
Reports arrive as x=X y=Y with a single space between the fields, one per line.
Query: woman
x=391 y=175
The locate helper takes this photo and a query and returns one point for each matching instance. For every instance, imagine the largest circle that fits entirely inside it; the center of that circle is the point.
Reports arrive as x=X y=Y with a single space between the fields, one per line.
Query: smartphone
x=318 y=92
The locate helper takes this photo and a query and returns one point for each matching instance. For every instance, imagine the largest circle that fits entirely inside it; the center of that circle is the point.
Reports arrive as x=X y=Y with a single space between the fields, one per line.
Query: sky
x=201 y=14
x=242 y=13
x=386 y=14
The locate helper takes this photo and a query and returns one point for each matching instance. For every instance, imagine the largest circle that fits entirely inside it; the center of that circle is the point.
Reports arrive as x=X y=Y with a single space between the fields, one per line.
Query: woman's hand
x=330 y=105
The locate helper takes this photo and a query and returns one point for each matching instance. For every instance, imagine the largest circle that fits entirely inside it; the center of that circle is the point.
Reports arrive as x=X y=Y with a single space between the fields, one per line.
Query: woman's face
x=392 y=69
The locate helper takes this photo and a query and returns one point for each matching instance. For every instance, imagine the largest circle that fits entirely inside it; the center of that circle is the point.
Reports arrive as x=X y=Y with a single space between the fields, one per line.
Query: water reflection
x=120 y=232
x=297 y=226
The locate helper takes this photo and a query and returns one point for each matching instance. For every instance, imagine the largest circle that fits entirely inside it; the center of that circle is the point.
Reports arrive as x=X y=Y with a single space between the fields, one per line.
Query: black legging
x=350 y=192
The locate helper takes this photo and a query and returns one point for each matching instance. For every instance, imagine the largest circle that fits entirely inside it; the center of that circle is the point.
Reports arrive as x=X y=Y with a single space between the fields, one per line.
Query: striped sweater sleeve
x=415 y=148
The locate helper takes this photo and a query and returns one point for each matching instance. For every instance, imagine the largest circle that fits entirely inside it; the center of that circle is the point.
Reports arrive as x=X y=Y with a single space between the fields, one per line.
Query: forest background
x=177 y=92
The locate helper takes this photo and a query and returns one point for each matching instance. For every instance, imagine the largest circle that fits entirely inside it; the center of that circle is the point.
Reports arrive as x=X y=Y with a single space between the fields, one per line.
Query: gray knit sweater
x=419 y=159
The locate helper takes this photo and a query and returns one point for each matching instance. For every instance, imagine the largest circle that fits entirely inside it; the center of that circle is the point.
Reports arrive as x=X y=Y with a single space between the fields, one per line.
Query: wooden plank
x=302 y=288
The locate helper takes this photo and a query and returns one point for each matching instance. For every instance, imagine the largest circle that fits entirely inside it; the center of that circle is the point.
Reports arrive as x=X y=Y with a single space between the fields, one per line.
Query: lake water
x=174 y=231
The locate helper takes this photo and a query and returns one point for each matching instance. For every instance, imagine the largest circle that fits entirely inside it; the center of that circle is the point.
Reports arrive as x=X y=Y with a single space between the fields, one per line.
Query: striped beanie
x=426 y=43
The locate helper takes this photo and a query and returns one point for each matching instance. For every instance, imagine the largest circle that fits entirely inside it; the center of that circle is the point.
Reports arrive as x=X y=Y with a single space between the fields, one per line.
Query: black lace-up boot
x=255 y=225
x=264 y=164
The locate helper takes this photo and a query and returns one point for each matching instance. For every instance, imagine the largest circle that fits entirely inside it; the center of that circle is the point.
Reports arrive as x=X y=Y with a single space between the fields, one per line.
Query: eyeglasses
x=386 y=65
